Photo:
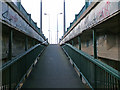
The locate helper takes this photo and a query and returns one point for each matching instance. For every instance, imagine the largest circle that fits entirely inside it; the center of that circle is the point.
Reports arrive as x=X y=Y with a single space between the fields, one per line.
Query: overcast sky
x=53 y=7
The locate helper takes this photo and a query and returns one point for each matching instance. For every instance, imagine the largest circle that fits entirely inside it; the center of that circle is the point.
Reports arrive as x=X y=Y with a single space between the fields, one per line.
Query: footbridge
x=87 y=55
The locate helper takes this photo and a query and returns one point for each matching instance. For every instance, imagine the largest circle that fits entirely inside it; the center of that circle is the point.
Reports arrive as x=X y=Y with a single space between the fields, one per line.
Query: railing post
x=119 y=55
x=26 y=48
x=94 y=44
x=95 y=55
x=79 y=42
x=10 y=55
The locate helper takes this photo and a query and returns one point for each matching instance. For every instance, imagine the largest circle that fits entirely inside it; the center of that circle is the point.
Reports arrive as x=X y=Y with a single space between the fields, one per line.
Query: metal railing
x=24 y=11
x=14 y=71
x=96 y=73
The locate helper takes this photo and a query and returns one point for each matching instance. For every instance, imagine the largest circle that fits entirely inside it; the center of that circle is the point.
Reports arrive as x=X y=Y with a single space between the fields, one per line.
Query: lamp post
x=41 y=16
x=49 y=25
x=64 y=12
x=57 y=25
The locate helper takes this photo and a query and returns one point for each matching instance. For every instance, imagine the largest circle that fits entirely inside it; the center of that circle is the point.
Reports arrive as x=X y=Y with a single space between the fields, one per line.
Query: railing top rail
x=10 y=62
x=100 y=64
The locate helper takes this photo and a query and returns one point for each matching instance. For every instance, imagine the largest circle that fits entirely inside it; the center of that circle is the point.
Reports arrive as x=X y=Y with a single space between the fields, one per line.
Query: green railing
x=96 y=73
x=14 y=71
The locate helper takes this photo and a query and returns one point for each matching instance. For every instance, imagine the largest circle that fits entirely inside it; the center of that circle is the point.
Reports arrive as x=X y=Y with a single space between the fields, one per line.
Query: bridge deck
x=53 y=70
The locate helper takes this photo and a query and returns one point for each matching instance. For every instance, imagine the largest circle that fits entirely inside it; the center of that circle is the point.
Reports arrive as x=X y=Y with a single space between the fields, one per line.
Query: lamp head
x=45 y=13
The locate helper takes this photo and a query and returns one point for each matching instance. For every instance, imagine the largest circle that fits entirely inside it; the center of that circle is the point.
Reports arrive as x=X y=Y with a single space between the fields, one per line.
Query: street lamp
x=57 y=25
x=64 y=12
x=41 y=16
x=49 y=25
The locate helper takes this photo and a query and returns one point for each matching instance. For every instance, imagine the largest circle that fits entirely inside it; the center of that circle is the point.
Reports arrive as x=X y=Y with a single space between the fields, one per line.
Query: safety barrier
x=96 y=73
x=14 y=71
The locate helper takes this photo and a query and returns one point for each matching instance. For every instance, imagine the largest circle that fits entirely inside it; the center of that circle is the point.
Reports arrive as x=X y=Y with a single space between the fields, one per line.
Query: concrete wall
x=5 y=43
x=87 y=47
x=18 y=45
x=107 y=46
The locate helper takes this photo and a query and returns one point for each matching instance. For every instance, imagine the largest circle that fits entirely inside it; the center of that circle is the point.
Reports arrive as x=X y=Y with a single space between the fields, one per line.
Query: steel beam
x=79 y=42
x=95 y=44
x=95 y=55
x=10 y=45
x=10 y=55
x=41 y=16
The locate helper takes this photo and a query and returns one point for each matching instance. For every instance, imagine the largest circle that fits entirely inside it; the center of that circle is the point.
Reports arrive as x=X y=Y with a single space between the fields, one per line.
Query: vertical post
x=19 y=5
x=57 y=28
x=10 y=55
x=41 y=16
x=119 y=55
x=26 y=43
x=10 y=45
x=49 y=29
x=79 y=42
x=95 y=55
x=1 y=45
x=86 y=4
x=64 y=19
x=95 y=44
x=51 y=37
x=49 y=25
x=26 y=48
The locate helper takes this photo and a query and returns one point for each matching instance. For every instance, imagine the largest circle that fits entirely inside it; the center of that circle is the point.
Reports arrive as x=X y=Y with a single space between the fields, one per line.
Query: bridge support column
x=95 y=44
x=119 y=55
x=79 y=42
x=95 y=55
x=10 y=55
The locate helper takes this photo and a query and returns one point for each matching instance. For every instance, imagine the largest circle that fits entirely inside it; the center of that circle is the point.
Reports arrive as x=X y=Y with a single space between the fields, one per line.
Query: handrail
x=97 y=62
x=97 y=73
x=10 y=62
x=15 y=70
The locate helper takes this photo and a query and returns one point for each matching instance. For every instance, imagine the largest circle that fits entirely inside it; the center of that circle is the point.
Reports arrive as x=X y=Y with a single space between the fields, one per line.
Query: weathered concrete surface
x=18 y=43
x=53 y=70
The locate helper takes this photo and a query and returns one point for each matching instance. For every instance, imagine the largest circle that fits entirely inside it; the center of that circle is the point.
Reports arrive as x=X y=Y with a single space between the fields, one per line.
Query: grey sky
x=53 y=7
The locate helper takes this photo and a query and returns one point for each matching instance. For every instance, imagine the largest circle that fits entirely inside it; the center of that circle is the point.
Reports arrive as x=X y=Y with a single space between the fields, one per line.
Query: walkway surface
x=53 y=70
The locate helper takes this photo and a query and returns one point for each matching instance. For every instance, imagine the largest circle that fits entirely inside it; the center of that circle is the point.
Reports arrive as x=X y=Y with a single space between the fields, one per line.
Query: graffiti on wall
x=104 y=9
x=11 y=17
x=104 y=12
